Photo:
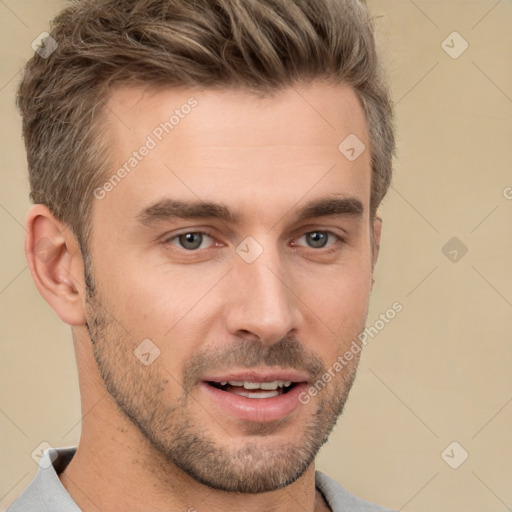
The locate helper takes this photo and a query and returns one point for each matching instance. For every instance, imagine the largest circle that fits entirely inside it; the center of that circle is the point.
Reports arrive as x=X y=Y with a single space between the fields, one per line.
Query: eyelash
x=338 y=240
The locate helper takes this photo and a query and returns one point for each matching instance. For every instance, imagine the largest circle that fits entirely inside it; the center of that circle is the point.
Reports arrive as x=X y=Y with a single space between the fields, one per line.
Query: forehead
x=216 y=114
x=231 y=146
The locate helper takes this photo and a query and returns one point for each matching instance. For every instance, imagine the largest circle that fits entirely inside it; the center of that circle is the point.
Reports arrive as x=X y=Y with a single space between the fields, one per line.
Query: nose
x=261 y=301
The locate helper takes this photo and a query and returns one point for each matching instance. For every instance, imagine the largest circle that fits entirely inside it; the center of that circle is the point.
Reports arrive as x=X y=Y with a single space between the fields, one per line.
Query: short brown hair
x=258 y=45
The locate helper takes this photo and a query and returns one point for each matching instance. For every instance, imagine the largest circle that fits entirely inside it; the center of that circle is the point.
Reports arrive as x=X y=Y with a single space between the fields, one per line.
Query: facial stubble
x=262 y=464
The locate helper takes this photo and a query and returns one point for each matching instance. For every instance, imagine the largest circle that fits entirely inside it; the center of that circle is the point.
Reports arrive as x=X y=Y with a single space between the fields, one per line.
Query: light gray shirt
x=47 y=494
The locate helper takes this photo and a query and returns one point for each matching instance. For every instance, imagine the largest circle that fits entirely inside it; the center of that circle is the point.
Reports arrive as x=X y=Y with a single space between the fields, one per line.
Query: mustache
x=288 y=353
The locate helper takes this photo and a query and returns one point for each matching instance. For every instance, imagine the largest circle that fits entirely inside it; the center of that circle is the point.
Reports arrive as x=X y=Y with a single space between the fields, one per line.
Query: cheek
x=335 y=311
x=338 y=294
x=154 y=300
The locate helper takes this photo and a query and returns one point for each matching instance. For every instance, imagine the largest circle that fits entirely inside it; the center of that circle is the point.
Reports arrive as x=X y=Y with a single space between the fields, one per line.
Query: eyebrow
x=167 y=209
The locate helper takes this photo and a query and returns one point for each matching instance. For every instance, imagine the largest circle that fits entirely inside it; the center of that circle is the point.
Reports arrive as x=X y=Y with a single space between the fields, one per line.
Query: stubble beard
x=260 y=465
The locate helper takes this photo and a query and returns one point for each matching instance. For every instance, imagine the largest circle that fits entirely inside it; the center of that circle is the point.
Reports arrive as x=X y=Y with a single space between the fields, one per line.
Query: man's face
x=239 y=245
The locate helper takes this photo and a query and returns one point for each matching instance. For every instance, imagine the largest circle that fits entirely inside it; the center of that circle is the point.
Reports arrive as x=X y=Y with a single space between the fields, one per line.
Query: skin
x=207 y=310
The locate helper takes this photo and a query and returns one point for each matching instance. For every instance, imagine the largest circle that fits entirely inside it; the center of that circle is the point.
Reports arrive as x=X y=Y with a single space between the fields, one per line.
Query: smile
x=254 y=389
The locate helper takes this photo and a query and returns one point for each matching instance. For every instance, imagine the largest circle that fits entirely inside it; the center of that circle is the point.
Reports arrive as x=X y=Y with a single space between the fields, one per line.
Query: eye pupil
x=191 y=240
x=317 y=239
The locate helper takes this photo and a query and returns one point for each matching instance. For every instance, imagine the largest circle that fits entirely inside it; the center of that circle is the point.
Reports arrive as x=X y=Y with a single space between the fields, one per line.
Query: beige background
x=441 y=370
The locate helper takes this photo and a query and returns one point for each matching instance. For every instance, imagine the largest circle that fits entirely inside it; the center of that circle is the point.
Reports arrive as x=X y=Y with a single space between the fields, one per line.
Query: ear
x=377 y=229
x=56 y=265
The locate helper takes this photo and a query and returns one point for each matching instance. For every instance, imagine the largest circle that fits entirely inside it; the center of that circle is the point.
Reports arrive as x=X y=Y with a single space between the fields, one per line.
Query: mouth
x=256 y=396
x=255 y=390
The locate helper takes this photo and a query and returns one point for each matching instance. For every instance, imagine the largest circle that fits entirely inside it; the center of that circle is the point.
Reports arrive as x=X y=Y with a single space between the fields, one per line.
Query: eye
x=319 y=239
x=191 y=241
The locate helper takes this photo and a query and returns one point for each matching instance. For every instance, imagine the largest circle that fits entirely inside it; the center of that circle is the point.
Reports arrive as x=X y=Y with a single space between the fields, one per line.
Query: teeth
x=252 y=385
x=269 y=386
x=261 y=394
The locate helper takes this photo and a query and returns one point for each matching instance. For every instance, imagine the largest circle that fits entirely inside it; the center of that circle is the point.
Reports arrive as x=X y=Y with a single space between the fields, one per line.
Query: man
x=206 y=176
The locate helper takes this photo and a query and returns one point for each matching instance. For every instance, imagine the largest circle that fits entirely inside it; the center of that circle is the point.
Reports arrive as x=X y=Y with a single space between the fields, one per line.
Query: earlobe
x=56 y=265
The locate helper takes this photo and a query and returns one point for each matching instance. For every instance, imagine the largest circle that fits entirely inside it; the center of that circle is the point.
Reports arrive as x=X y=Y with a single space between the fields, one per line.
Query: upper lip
x=264 y=375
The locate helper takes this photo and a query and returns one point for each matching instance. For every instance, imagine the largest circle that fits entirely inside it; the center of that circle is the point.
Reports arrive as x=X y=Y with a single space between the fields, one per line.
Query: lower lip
x=260 y=410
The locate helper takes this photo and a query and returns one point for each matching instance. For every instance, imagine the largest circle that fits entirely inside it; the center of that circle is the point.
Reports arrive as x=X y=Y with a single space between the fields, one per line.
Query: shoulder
x=46 y=493
x=339 y=499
